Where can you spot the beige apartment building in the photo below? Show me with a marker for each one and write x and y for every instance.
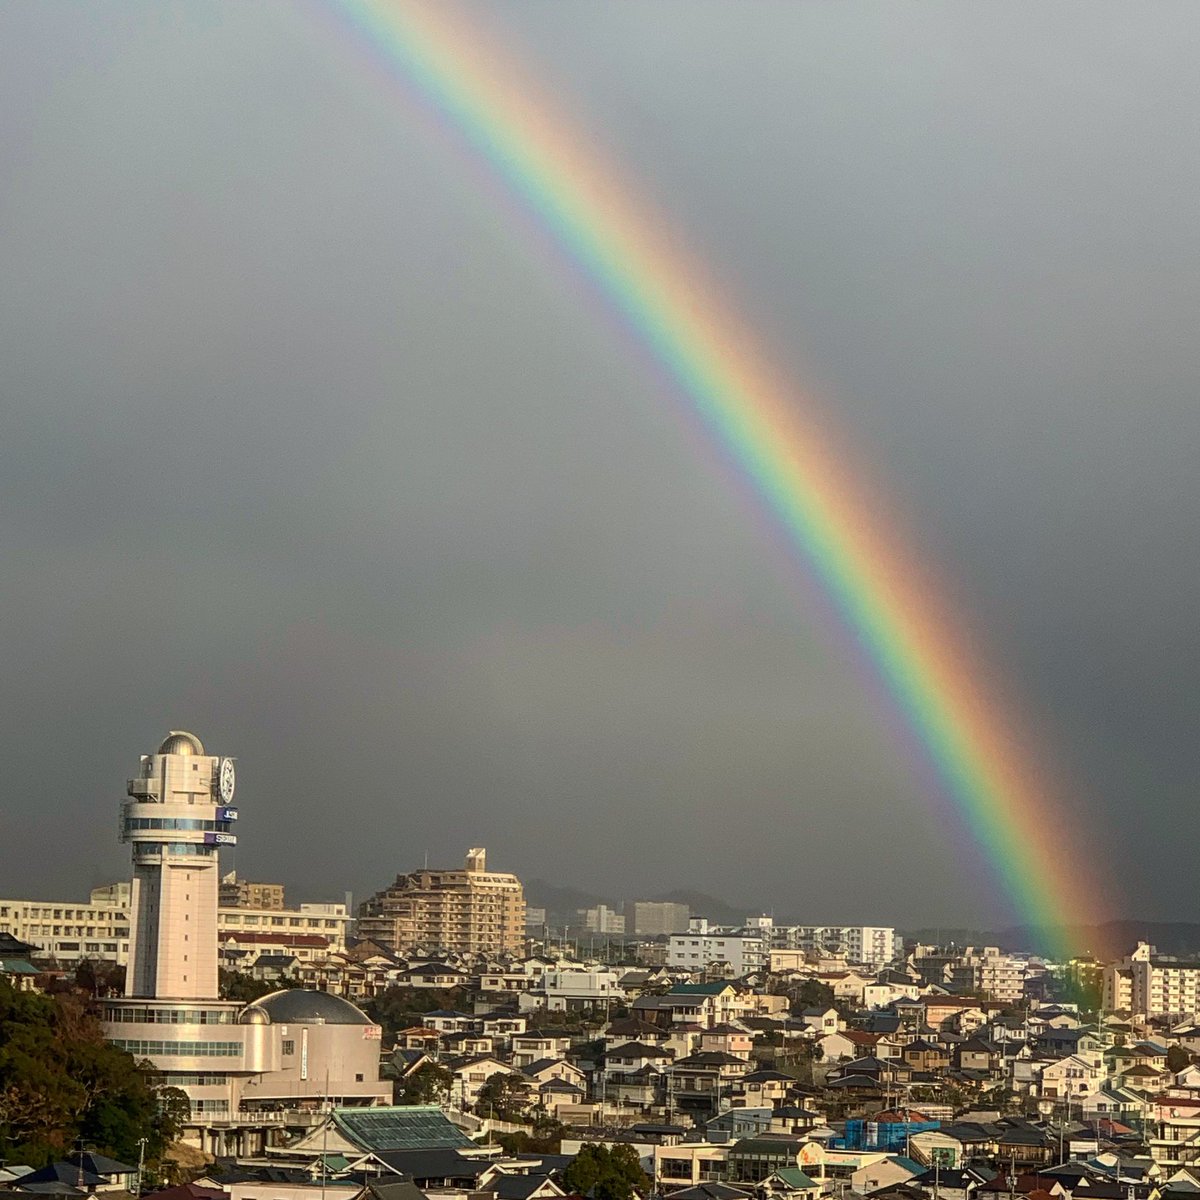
(246, 893)
(1147, 984)
(472, 911)
(69, 931)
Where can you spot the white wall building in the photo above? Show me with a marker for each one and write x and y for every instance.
(566, 989)
(601, 919)
(69, 930)
(873, 945)
(695, 951)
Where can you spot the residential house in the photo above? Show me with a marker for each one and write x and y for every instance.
(470, 1076)
(1070, 1078)
(698, 1082)
(728, 1038)
(533, 1045)
(763, 1089)
(925, 1056)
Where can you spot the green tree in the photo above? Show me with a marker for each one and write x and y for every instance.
(397, 1008)
(61, 1081)
(428, 1084)
(102, 978)
(1177, 1058)
(503, 1096)
(614, 1174)
(812, 993)
(545, 1138)
(234, 985)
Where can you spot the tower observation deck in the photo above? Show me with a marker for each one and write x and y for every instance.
(178, 814)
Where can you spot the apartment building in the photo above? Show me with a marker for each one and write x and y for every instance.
(697, 950)
(70, 931)
(247, 893)
(872, 945)
(1151, 985)
(656, 917)
(329, 922)
(600, 919)
(987, 972)
(468, 911)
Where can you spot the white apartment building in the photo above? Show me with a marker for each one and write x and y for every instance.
(872, 945)
(329, 921)
(696, 950)
(601, 919)
(1148, 985)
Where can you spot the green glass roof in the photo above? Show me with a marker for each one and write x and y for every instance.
(400, 1127)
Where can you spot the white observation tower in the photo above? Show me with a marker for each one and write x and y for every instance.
(178, 815)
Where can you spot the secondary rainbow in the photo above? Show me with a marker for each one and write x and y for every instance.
(901, 622)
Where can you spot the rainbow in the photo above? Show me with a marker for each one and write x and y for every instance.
(901, 623)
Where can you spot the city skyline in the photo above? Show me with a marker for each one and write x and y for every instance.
(311, 451)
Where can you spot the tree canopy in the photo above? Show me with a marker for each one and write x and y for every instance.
(614, 1172)
(428, 1084)
(502, 1095)
(61, 1082)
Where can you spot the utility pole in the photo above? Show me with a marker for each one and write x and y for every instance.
(137, 1191)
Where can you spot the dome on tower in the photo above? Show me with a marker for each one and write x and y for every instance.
(179, 741)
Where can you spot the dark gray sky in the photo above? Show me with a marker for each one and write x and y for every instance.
(306, 446)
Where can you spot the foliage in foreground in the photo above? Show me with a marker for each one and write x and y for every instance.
(614, 1173)
(62, 1083)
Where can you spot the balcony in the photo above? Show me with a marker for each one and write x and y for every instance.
(293, 1117)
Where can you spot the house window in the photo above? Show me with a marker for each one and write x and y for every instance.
(289, 1046)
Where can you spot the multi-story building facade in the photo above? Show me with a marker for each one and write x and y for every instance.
(699, 949)
(1147, 984)
(329, 922)
(601, 919)
(69, 931)
(246, 893)
(872, 945)
(986, 971)
(472, 911)
(656, 917)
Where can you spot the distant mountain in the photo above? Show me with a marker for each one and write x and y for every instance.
(1113, 939)
(718, 912)
(559, 901)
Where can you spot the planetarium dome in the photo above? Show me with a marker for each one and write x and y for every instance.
(302, 1006)
(179, 741)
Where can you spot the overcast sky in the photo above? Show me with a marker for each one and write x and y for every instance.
(308, 447)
